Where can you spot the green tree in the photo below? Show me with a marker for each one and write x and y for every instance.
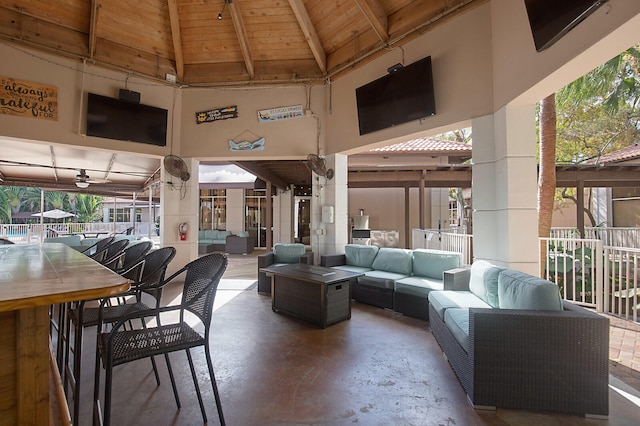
(13, 196)
(88, 207)
(598, 114)
(55, 200)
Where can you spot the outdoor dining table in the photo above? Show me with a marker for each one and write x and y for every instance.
(33, 277)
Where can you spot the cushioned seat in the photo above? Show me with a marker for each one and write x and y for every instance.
(382, 279)
(446, 299)
(418, 286)
(457, 320)
(351, 268)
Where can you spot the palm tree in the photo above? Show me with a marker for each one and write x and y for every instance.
(547, 173)
(88, 207)
(13, 197)
(55, 199)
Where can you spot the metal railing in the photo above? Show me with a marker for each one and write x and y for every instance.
(575, 265)
(592, 274)
(444, 240)
(35, 233)
(610, 236)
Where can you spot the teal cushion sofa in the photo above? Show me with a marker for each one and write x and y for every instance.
(395, 278)
(213, 236)
(514, 343)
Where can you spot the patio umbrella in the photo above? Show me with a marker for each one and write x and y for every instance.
(54, 214)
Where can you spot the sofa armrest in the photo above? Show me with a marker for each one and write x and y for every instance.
(265, 259)
(330, 260)
(550, 357)
(307, 258)
(456, 279)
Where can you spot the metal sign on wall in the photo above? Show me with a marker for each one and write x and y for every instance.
(217, 114)
(28, 99)
(282, 113)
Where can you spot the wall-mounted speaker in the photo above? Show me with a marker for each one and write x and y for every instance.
(129, 96)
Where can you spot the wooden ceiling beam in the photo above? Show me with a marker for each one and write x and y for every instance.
(310, 33)
(241, 32)
(256, 169)
(93, 24)
(377, 17)
(174, 18)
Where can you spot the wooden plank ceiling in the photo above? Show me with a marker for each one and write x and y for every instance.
(256, 41)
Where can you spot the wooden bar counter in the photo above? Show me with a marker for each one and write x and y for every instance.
(32, 277)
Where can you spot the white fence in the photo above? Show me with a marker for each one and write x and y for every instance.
(614, 237)
(444, 240)
(595, 275)
(34, 233)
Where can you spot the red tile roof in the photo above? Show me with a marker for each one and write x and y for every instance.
(631, 152)
(425, 145)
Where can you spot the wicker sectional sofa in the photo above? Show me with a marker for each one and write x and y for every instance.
(395, 278)
(214, 237)
(513, 343)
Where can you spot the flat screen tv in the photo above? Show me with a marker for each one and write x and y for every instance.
(398, 97)
(126, 121)
(550, 20)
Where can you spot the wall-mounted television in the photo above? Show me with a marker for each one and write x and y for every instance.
(403, 95)
(550, 20)
(113, 118)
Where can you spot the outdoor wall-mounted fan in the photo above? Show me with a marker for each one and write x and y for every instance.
(176, 166)
(318, 165)
(83, 180)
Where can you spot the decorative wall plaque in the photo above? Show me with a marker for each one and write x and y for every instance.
(28, 99)
(282, 113)
(217, 114)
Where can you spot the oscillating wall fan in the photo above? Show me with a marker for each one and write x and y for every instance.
(318, 165)
(176, 166)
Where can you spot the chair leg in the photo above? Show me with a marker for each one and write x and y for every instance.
(97, 417)
(197, 386)
(214, 384)
(77, 361)
(173, 380)
(108, 380)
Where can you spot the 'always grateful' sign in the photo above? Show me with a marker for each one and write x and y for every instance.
(28, 99)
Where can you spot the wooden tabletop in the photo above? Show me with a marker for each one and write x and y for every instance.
(43, 274)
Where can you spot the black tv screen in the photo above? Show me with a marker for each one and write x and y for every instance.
(126, 121)
(398, 97)
(550, 20)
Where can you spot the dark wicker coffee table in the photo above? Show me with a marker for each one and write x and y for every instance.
(314, 293)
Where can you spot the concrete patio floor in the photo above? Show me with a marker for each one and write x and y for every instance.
(378, 368)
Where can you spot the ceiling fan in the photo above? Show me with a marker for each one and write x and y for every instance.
(83, 180)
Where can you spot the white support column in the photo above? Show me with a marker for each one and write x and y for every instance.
(179, 203)
(329, 238)
(505, 218)
(283, 205)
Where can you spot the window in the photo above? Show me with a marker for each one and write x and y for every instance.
(256, 215)
(213, 209)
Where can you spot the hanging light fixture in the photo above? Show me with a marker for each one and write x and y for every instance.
(226, 2)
